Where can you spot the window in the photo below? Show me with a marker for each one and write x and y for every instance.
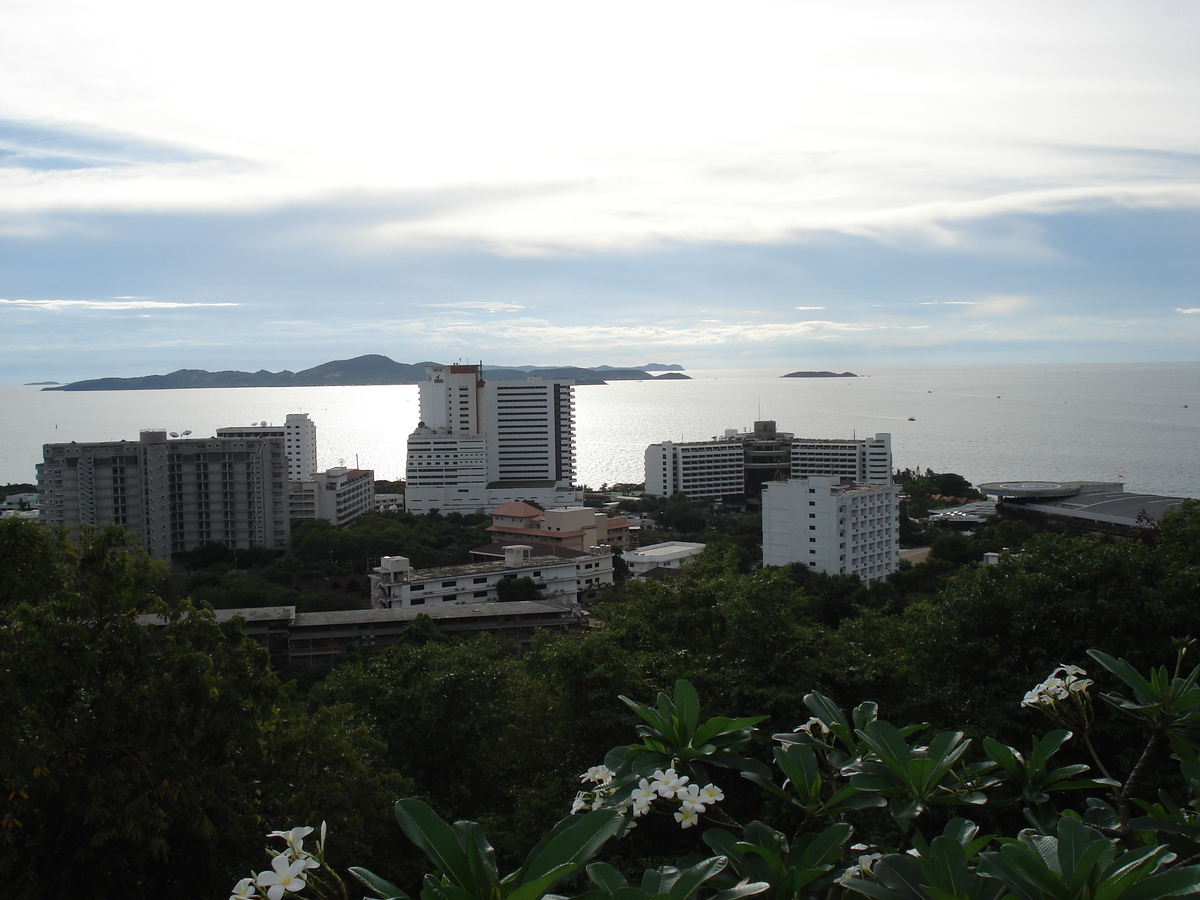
(449, 583)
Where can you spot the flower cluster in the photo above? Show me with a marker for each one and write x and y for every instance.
(1064, 697)
(814, 728)
(664, 784)
(289, 870)
(1062, 683)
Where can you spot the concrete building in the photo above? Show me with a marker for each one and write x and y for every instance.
(574, 527)
(173, 494)
(339, 495)
(1088, 506)
(832, 526)
(862, 460)
(299, 436)
(740, 463)
(481, 444)
(669, 555)
(396, 584)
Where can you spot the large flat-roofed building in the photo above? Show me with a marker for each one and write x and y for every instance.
(575, 527)
(1081, 505)
(739, 463)
(299, 436)
(173, 494)
(339, 495)
(481, 443)
(396, 584)
(667, 556)
(832, 526)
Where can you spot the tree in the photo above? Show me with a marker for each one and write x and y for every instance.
(144, 757)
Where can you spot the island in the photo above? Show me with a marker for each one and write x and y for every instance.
(371, 368)
(672, 376)
(820, 375)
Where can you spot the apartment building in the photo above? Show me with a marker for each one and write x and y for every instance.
(480, 444)
(564, 581)
(299, 436)
(174, 494)
(740, 463)
(832, 526)
(338, 495)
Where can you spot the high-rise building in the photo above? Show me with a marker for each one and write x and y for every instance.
(299, 436)
(339, 495)
(740, 463)
(481, 444)
(173, 494)
(832, 526)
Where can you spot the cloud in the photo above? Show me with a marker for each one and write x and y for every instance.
(999, 305)
(1188, 312)
(118, 304)
(487, 306)
(803, 308)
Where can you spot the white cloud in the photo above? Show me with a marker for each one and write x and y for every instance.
(873, 117)
(803, 308)
(1188, 312)
(486, 305)
(999, 305)
(118, 304)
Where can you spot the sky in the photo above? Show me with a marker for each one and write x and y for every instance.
(249, 185)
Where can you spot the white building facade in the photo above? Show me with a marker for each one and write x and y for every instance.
(738, 462)
(339, 495)
(862, 460)
(395, 584)
(299, 436)
(173, 494)
(832, 526)
(667, 555)
(481, 444)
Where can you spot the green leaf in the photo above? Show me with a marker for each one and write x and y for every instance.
(606, 877)
(575, 839)
(687, 703)
(689, 880)
(381, 886)
(437, 839)
(536, 887)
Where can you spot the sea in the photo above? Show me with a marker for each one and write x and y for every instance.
(1134, 423)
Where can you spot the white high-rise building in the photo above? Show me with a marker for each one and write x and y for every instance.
(738, 462)
(482, 444)
(863, 460)
(339, 495)
(299, 436)
(173, 494)
(832, 526)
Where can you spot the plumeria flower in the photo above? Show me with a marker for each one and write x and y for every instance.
(243, 890)
(710, 794)
(597, 775)
(812, 726)
(580, 802)
(687, 817)
(689, 796)
(285, 876)
(295, 841)
(668, 783)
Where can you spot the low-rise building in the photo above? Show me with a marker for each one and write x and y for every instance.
(832, 526)
(669, 555)
(396, 584)
(575, 527)
(338, 495)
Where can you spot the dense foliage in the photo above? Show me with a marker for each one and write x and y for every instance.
(143, 761)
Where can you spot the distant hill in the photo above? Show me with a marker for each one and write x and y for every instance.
(370, 369)
(820, 375)
(663, 367)
(673, 376)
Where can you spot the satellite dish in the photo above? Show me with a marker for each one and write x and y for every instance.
(186, 433)
(174, 434)
(264, 424)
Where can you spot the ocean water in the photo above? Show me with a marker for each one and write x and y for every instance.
(1137, 423)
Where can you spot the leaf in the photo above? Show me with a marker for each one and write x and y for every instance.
(536, 887)
(606, 877)
(748, 889)
(381, 886)
(687, 703)
(437, 839)
(575, 839)
(689, 880)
